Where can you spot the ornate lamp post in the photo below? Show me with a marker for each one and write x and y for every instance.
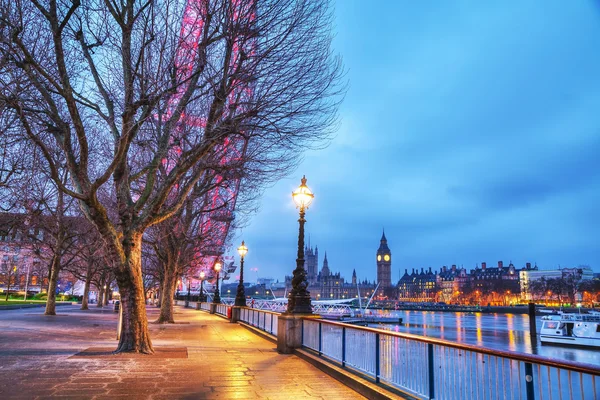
(217, 296)
(240, 297)
(201, 297)
(187, 300)
(299, 297)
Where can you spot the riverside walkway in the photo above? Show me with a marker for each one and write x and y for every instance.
(202, 356)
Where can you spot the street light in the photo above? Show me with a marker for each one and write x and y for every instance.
(240, 297)
(299, 297)
(189, 292)
(217, 297)
(202, 275)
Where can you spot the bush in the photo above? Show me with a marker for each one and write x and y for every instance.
(40, 296)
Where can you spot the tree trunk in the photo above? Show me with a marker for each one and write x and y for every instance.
(8, 286)
(106, 293)
(159, 294)
(52, 282)
(100, 299)
(166, 302)
(86, 294)
(135, 336)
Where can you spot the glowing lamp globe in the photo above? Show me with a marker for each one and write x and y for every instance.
(217, 266)
(242, 250)
(202, 274)
(303, 195)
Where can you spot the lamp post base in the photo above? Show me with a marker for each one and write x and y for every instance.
(299, 304)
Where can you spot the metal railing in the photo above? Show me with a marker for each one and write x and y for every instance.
(221, 309)
(261, 319)
(205, 306)
(432, 368)
(317, 307)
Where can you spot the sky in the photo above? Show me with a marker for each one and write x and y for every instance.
(470, 132)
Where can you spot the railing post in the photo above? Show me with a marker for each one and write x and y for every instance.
(377, 357)
(320, 337)
(529, 381)
(431, 370)
(343, 346)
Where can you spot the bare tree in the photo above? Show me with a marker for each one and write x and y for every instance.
(114, 90)
(178, 245)
(90, 253)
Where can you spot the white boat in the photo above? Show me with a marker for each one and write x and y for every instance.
(571, 329)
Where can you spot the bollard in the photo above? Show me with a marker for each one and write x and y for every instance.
(532, 323)
(120, 323)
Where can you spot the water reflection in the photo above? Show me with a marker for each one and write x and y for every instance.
(512, 343)
(496, 331)
(479, 330)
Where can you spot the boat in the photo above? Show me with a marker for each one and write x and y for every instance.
(571, 329)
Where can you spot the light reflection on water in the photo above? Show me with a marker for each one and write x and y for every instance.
(495, 331)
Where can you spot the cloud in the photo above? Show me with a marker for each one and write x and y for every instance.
(470, 132)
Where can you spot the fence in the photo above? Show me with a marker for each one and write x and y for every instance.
(263, 320)
(221, 309)
(431, 368)
(205, 306)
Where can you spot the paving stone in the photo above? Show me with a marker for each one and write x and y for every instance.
(53, 358)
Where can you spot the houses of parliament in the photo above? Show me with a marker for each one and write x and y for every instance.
(324, 284)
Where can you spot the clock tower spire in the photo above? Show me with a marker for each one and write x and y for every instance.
(384, 264)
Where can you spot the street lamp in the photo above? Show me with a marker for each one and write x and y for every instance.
(189, 292)
(217, 297)
(240, 297)
(202, 275)
(299, 297)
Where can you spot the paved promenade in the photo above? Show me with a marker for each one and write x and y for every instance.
(203, 357)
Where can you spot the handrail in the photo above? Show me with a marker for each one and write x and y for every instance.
(264, 311)
(573, 366)
(266, 321)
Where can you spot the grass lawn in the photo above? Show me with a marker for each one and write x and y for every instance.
(11, 302)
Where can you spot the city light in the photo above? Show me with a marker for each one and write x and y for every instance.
(303, 196)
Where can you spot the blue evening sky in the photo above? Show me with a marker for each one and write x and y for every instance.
(470, 131)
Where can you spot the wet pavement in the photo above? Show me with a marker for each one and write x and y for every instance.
(202, 356)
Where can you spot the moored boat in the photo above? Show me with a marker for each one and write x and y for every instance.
(571, 329)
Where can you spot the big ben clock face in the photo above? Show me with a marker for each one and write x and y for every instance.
(386, 257)
(379, 258)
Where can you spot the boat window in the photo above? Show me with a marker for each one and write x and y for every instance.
(551, 325)
(598, 328)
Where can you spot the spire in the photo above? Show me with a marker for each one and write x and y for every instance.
(325, 270)
(354, 273)
(383, 247)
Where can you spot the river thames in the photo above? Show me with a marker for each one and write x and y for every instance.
(493, 331)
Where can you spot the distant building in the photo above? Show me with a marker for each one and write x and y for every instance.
(528, 276)
(384, 267)
(325, 284)
(417, 287)
(311, 264)
(499, 285)
(24, 256)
